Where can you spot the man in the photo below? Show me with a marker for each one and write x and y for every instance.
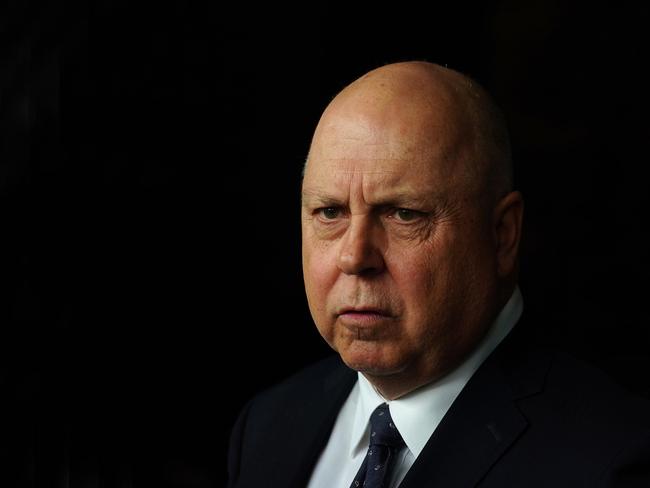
(411, 231)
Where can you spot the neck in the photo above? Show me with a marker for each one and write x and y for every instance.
(391, 390)
(395, 386)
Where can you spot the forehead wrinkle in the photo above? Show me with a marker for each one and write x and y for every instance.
(365, 172)
(369, 179)
(340, 140)
(373, 193)
(366, 159)
(344, 147)
(383, 185)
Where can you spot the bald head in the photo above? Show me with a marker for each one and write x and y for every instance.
(436, 112)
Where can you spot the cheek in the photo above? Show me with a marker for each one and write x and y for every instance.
(445, 284)
(320, 272)
(415, 272)
(425, 282)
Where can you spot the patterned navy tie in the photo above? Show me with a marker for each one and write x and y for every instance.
(385, 442)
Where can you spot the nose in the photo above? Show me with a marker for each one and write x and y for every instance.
(359, 253)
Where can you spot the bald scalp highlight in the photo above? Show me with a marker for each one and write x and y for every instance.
(486, 145)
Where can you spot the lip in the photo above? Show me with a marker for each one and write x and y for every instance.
(376, 310)
(363, 316)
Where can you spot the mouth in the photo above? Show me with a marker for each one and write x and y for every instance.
(364, 310)
(362, 317)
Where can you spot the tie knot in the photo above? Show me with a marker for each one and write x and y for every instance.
(382, 429)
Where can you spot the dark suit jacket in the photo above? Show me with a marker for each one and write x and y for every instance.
(525, 419)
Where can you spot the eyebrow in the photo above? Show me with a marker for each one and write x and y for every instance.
(400, 199)
(316, 198)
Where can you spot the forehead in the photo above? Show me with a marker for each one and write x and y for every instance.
(395, 156)
(385, 131)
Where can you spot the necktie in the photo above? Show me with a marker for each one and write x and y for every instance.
(385, 441)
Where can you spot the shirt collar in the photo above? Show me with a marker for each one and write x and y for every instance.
(418, 414)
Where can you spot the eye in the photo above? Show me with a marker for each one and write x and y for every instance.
(329, 213)
(406, 215)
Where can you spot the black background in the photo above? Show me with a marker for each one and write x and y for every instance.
(149, 182)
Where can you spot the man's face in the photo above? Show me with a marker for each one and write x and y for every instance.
(398, 254)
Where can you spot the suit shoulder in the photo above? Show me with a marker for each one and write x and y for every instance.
(307, 382)
(581, 377)
(588, 397)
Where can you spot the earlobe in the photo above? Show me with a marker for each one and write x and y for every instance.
(508, 217)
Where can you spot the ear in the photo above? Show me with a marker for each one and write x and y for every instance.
(507, 219)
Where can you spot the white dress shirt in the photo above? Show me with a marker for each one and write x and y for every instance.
(415, 415)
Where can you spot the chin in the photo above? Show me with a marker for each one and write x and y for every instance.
(374, 363)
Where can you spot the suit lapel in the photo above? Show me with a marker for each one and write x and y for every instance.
(482, 423)
(311, 427)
